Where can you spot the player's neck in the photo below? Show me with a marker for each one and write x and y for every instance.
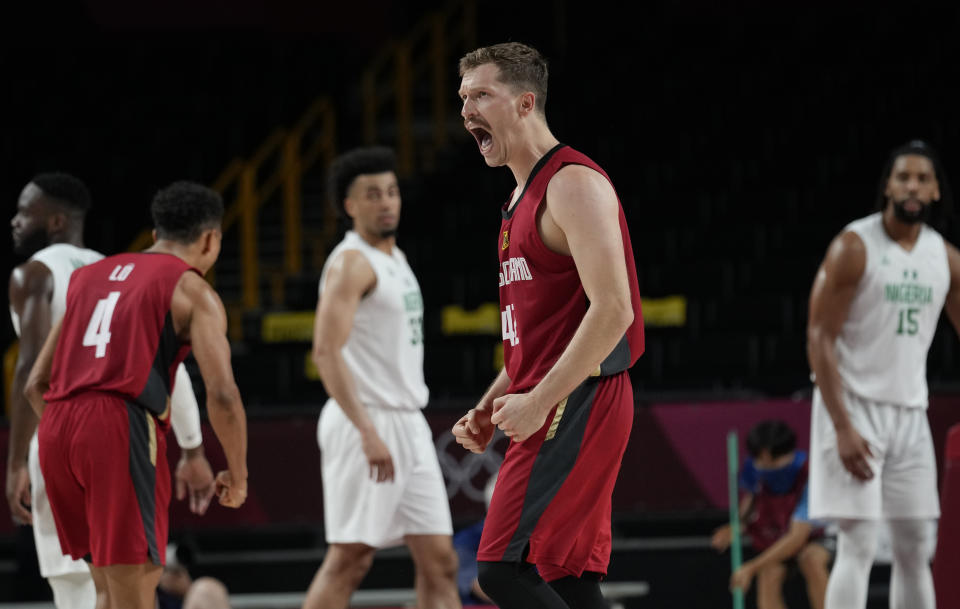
(186, 253)
(530, 148)
(904, 234)
(384, 244)
(71, 237)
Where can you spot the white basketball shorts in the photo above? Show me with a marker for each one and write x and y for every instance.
(357, 509)
(904, 483)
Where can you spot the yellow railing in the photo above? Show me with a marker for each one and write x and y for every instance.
(291, 153)
(422, 53)
(317, 129)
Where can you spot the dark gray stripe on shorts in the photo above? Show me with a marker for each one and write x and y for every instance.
(144, 476)
(552, 465)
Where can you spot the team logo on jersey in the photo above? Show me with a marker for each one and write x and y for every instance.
(506, 240)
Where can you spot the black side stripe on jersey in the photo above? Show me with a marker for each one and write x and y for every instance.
(143, 473)
(553, 464)
(618, 360)
(157, 390)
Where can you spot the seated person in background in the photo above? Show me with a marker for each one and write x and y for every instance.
(178, 590)
(774, 512)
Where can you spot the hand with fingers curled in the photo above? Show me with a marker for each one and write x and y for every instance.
(378, 457)
(474, 430)
(722, 538)
(518, 415)
(18, 493)
(742, 577)
(195, 478)
(855, 453)
(231, 490)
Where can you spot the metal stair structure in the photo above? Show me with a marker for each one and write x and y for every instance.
(279, 224)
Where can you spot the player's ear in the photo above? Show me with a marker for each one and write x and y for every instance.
(153, 234)
(56, 222)
(528, 102)
(209, 240)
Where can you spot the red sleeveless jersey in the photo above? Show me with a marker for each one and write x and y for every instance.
(117, 334)
(542, 301)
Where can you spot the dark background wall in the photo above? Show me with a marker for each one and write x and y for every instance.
(741, 137)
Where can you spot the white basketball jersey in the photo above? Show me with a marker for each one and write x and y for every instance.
(385, 349)
(62, 259)
(882, 348)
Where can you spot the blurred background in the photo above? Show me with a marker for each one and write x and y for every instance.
(740, 137)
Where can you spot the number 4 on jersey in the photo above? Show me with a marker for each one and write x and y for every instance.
(508, 324)
(98, 330)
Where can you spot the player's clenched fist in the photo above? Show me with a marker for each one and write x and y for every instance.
(474, 430)
(232, 493)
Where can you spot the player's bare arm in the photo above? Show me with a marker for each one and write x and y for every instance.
(784, 548)
(31, 289)
(200, 319)
(193, 475)
(349, 278)
(723, 535)
(834, 289)
(39, 380)
(580, 218)
(952, 303)
(194, 479)
(474, 430)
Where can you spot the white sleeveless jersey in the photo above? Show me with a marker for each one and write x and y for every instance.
(62, 259)
(384, 351)
(882, 348)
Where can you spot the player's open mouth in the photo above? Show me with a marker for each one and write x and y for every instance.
(484, 139)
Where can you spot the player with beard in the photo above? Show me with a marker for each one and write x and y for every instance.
(874, 308)
(382, 484)
(48, 228)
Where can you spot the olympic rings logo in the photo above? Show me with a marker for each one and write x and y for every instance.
(465, 471)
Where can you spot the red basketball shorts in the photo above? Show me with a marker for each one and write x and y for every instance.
(104, 462)
(552, 501)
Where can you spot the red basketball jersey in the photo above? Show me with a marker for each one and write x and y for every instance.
(542, 301)
(117, 334)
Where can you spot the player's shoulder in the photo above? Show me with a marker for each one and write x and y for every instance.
(193, 294)
(851, 240)
(579, 175)
(573, 184)
(846, 258)
(29, 277)
(847, 254)
(847, 243)
(193, 284)
(350, 262)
